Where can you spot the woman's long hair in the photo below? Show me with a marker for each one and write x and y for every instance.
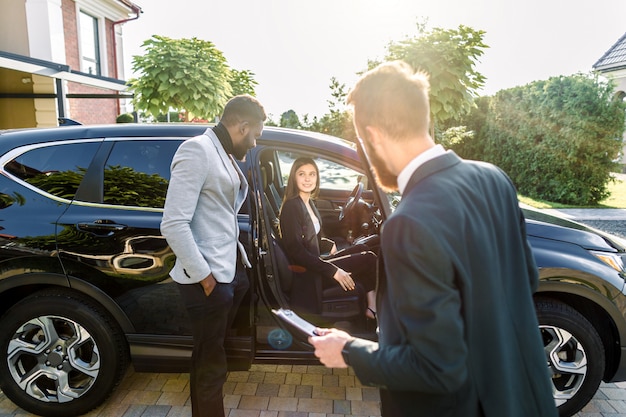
(291, 190)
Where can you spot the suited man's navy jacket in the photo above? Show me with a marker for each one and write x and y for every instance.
(458, 329)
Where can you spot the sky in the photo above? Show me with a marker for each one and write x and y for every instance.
(295, 47)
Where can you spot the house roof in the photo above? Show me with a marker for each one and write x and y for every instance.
(614, 58)
(132, 6)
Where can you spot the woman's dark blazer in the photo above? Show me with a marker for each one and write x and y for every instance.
(302, 247)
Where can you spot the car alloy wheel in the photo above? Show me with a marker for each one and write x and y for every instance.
(53, 359)
(64, 354)
(574, 353)
(568, 362)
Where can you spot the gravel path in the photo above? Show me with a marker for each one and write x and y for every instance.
(608, 220)
(615, 227)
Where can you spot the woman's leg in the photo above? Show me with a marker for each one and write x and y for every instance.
(362, 267)
(370, 312)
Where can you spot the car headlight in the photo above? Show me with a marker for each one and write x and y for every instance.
(614, 260)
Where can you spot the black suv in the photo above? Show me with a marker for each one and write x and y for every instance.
(84, 285)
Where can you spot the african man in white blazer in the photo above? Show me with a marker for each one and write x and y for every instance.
(205, 193)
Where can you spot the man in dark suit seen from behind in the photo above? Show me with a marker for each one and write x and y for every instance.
(458, 332)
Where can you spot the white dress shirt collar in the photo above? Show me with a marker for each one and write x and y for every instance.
(409, 169)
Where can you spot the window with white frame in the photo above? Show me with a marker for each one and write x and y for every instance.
(89, 44)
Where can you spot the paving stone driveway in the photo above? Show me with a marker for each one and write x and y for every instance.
(277, 391)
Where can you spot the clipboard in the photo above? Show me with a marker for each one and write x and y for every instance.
(291, 318)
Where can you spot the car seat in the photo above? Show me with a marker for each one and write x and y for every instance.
(269, 186)
(337, 304)
(271, 209)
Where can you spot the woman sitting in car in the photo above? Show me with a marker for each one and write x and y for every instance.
(302, 241)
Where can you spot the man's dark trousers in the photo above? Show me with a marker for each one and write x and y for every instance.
(210, 318)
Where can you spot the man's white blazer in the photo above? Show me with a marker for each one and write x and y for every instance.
(205, 192)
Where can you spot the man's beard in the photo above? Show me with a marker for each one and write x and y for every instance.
(241, 149)
(384, 178)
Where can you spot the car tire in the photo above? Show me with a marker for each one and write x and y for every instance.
(575, 354)
(64, 354)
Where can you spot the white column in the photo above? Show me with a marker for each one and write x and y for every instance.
(44, 19)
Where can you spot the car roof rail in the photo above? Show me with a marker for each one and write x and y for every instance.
(64, 121)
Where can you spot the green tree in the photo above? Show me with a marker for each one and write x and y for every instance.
(188, 75)
(242, 82)
(338, 121)
(471, 146)
(557, 138)
(449, 57)
(455, 136)
(290, 119)
(270, 121)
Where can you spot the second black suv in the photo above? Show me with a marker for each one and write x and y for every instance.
(84, 285)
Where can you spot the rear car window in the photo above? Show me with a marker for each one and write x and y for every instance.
(56, 169)
(137, 172)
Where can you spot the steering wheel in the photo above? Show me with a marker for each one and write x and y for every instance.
(353, 199)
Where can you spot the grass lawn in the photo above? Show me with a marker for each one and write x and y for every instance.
(616, 200)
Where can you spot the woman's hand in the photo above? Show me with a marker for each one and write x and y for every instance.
(344, 279)
(333, 250)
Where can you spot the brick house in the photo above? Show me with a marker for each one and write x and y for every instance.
(62, 59)
(613, 65)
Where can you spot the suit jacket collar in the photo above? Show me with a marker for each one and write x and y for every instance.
(431, 167)
(306, 212)
(307, 225)
(405, 175)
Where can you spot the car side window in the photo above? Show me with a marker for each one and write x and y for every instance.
(57, 169)
(137, 172)
(333, 175)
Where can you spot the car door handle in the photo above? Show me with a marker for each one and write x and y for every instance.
(101, 227)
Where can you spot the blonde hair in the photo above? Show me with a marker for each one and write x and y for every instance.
(392, 97)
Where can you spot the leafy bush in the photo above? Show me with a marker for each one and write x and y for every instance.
(125, 118)
(556, 138)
